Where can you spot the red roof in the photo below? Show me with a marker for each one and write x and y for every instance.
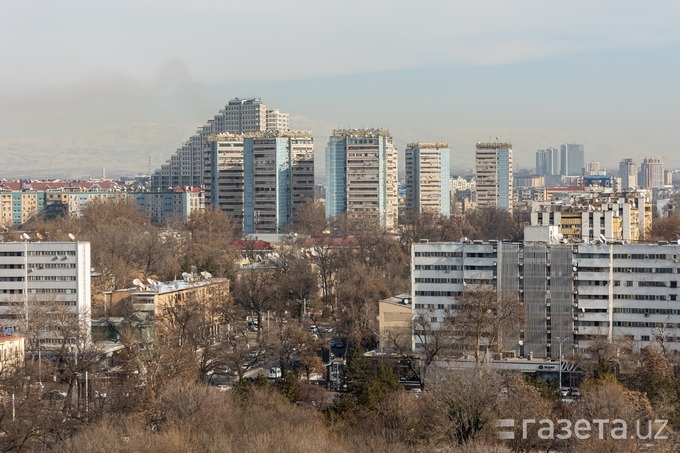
(256, 246)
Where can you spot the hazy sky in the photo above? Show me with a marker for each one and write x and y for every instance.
(89, 84)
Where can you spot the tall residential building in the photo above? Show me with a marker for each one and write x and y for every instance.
(190, 165)
(651, 174)
(428, 178)
(361, 176)
(493, 173)
(45, 292)
(628, 172)
(278, 177)
(572, 159)
(548, 162)
(226, 175)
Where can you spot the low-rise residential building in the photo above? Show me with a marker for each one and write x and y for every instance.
(156, 301)
(11, 353)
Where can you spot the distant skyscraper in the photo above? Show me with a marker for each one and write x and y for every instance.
(572, 159)
(592, 168)
(428, 178)
(361, 176)
(628, 172)
(278, 177)
(493, 169)
(651, 174)
(190, 165)
(548, 162)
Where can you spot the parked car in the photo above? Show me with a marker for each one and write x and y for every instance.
(575, 392)
(55, 395)
(274, 373)
(564, 392)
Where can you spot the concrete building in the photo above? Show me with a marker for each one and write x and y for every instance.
(617, 216)
(494, 175)
(45, 292)
(11, 354)
(361, 176)
(278, 178)
(155, 301)
(394, 321)
(175, 204)
(651, 174)
(593, 168)
(572, 159)
(428, 178)
(580, 292)
(225, 190)
(548, 162)
(628, 172)
(190, 165)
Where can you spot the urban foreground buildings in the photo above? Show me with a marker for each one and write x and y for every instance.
(493, 171)
(45, 292)
(428, 178)
(579, 292)
(361, 176)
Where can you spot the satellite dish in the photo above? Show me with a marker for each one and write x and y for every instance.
(206, 275)
(151, 282)
(71, 237)
(25, 236)
(137, 282)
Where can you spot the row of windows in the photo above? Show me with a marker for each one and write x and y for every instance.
(52, 253)
(52, 278)
(438, 280)
(440, 254)
(640, 256)
(658, 325)
(646, 311)
(430, 306)
(645, 270)
(51, 291)
(437, 267)
(639, 297)
(439, 293)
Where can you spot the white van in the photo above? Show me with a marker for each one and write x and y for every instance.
(274, 373)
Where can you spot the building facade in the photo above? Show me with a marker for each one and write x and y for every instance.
(623, 216)
(45, 292)
(428, 178)
(361, 176)
(278, 178)
(225, 190)
(548, 162)
(578, 292)
(11, 354)
(494, 175)
(572, 159)
(190, 165)
(628, 172)
(651, 175)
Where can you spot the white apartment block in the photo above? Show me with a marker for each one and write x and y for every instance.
(45, 291)
(428, 178)
(276, 120)
(651, 174)
(493, 174)
(616, 292)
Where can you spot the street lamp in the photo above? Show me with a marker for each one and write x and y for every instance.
(560, 370)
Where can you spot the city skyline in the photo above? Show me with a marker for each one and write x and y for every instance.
(532, 74)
